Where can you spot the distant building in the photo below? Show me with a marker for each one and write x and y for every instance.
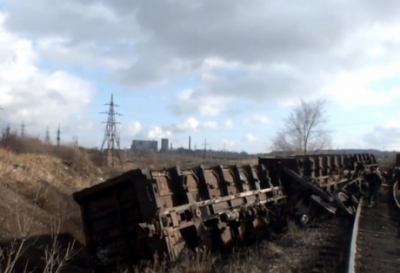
(144, 146)
(164, 144)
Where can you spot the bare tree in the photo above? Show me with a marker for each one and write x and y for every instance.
(304, 129)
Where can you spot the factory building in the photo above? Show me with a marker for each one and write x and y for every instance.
(139, 146)
(164, 144)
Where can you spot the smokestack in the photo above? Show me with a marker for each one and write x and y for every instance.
(190, 142)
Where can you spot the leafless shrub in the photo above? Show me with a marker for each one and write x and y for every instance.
(13, 254)
(9, 256)
(56, 256)
(18, 144)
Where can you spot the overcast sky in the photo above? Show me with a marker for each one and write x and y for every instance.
(225, 70)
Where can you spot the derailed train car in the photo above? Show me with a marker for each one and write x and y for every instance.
(394, 179)
(331, 182)
(146, 213)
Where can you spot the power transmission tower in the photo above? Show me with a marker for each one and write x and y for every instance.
(6, 134)
(23, 129)
(58, 136)
(8, 130)
(47, 139)
(111, 135)
(75, 143)
(205, 147)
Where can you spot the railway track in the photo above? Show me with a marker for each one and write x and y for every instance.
(367, 242)
(375, 240)
(332, 254)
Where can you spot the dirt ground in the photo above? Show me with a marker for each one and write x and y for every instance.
(379, 236)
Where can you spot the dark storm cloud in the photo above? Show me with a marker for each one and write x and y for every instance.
(164, 40)
(304, 35)
(78, 20)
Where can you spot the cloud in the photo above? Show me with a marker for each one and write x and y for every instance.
(210, 125)
(96, 33)
(228, 124)
(261, 119)
(35, 96)
(385, 136)
(236, 50)
(156, 133)
(219, 58)
(251, 138)
(357, 87)
(133, 128)
(228, 144)
(191, 124)
(190, 101)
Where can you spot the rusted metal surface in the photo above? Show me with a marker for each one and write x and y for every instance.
(143, 213)
(397, 164)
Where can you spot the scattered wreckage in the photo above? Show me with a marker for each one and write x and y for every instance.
(142, 213)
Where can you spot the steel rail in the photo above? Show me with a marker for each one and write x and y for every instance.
(394, 190)
(351, 265)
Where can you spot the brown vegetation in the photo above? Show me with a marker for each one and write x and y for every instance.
(39, 220)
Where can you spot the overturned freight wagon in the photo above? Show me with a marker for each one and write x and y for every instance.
(146, 212)
(331, 182)
(143, 213)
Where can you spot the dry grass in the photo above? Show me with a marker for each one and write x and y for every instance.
(157, 161)
(28, 253)
(42, 178)
(31, 168)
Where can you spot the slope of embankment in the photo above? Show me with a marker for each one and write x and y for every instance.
(39, 221)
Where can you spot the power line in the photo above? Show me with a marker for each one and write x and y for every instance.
(111, 135)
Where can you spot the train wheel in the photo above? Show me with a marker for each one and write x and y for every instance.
(396, 193)
(344, 202)
(302, 212)
(323, 204)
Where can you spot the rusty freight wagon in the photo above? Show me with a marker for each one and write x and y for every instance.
(330, 182)
(146, 213)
